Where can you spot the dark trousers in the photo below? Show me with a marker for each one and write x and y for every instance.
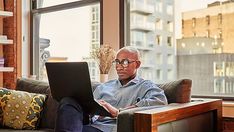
(70, 118)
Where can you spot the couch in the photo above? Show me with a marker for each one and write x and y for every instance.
(178, 93)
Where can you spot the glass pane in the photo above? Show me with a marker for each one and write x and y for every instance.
(194, 42)
(208, 54)
(151, 32)
(70, 35)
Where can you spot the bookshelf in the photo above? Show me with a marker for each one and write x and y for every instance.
(4, 40)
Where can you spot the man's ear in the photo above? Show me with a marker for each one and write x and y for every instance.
(138, 64)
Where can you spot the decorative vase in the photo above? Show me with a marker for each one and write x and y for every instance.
(103, 78)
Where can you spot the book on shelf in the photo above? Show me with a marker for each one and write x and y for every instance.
(5, 40)
(1, 62)
(6, 69)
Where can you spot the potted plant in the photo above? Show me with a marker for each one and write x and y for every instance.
(104, 57)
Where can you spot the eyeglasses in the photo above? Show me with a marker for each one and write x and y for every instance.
(124, 62)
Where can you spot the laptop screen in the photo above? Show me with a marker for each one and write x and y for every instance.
(69, 79)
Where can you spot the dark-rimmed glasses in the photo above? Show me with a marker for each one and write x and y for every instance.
(124, 62)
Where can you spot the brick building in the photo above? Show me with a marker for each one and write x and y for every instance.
(206, 49)
(214, 21)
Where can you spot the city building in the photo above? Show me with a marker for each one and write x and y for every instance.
(206, 53)
(95, 42)
(199, 45)
(213, 21)
(213, 74)
(152, 32)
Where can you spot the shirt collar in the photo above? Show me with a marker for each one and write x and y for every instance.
(133, 81)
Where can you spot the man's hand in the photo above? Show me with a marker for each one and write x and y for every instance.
(113, 111)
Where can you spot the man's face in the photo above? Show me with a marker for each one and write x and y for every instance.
(127, 65)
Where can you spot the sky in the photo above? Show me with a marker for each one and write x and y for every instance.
(187, 5)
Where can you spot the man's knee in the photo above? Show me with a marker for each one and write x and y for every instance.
(69, 102)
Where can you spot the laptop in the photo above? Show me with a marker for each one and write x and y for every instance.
(71, 79)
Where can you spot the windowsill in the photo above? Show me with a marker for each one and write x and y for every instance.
(226, 98)
(228, 109)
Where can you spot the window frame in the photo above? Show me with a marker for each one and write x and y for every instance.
(34, 27)
(125, 24)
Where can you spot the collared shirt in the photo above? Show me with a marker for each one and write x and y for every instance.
(137, 92)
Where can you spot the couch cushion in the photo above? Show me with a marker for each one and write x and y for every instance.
(178, 91)
(19, 109)
(32, 86)
(50, 108)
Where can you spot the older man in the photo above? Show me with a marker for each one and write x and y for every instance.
(128, 91)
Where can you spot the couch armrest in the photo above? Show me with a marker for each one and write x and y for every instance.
(125, 122)
(149, 120)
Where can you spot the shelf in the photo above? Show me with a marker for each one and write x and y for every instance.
(6, 69)
(6, 13)
(7, 41)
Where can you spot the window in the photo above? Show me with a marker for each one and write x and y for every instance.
(206, 53)
(193, 22)
(169, 41)
(138, 19)
(220, 18)
(170, 74)
(158, 58)
(229, 69)
(158, 39)
(169, 9)
(183, 45)
(207, 33)
(182, 23)
(194, 34)
(207, 20)
(170, 26)
(137, 38)
(219, 85)
(64, 27)
(159, 74)
(170, 59)
(150, 40)
(220, 34)
(158, 6)
(159, 24)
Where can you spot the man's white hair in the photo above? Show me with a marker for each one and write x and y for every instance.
(131, 49)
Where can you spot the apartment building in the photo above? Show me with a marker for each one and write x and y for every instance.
(206, 49)
(152, 32)
(199, 45)
(213, 21)
(95, 42)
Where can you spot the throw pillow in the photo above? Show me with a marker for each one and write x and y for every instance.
(19, 109)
